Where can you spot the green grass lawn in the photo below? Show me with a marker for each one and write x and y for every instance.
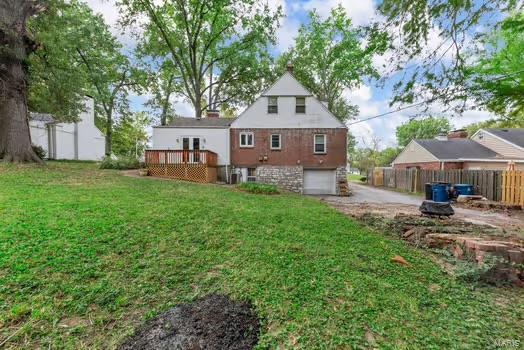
(355, 177)
(86, 255)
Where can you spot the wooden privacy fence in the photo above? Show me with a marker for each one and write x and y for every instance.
(485, 182)
(513, 187)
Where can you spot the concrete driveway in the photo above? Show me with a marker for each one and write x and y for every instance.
(369, 199)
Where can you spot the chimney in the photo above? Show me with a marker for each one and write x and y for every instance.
(289, 67)
(458, 134)
(213, 113)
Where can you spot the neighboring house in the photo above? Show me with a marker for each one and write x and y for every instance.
(286, 137)
(487, 149)
(75, 141)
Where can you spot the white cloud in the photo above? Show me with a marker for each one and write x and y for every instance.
(107, 8)
(361, 12)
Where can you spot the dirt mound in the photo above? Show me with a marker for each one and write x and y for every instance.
(213, 322)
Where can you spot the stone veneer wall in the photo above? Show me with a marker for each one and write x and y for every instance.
(290, 178)
(341, 175)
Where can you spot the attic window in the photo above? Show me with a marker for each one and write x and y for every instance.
(300, 105)
(272, 105)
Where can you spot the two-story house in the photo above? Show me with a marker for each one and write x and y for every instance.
(287, 137)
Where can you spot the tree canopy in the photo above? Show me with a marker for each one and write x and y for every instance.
(219, 48)
(426, 128)
(331, 56)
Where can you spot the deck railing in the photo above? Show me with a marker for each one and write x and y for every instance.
(173, 157)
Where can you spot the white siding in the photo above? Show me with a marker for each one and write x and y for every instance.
(507, 150)
(286, 88)
(39, 135)
(286, 85)
(91, 141)
(211, 139)
(414, 153)
(490, 166)
(82, 140)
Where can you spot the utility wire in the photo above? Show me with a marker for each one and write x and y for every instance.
(420, 103)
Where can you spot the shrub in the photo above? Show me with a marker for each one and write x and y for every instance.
(40, 152)
(258, 188)
(120, 163)
(363, 179)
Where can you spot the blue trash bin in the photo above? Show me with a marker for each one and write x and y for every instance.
(440, 193)
(464, 189)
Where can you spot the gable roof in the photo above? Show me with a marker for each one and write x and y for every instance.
(513, 135)
(183, 122)
(287, 85)
(458, 149)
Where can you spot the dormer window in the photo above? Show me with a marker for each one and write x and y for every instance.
(300, 107)
(272, 105)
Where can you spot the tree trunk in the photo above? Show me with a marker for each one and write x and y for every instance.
(15, 139)
(109, 134)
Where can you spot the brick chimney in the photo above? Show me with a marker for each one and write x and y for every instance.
(213, 113)
(458, 134)
(289, 67)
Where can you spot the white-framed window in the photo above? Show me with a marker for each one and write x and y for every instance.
(320, 146)
(251, 174)
(300, 107)
(247, 139)
(276, 141)
(272, 104)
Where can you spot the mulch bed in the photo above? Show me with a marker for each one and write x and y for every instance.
(213, 322)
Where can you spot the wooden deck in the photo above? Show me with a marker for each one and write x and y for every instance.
(197, 166)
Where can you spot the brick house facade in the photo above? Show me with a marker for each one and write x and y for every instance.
(289, 138)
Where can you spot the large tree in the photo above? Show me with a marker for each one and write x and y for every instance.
(431, 38)
(331, 56)
(16, 44)
(219, 47)
(426, 128)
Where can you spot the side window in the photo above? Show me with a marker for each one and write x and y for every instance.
(300, 105)
(320, 144)
(247, 139)
(276, 141)
(251, 174)
(272, 104)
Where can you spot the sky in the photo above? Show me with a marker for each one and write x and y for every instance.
(371, 98)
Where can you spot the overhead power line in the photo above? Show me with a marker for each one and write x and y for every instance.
(420, 103)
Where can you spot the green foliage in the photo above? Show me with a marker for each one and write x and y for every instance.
(120, 163)
(130, 138)
(217, 50)
(330, 56)
(258, 188)
(426, 128)
(455, 28)
(40, 152)
(498, 76)
(105, 252)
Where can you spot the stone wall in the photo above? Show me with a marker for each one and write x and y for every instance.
(286, 177)
(341, 175)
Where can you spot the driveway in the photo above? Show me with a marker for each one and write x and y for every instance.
(368, 199)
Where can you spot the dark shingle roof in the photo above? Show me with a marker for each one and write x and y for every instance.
(515, 136)
(201, 123)
(41, 117)
(457, 149)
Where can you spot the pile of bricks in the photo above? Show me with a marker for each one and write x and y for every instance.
(477, 247)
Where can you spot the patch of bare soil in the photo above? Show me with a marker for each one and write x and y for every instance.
(213, 322)
(482, 244)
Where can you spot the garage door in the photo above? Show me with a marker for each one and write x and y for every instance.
(319, 182)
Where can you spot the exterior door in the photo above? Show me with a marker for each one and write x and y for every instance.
(196, 150)
(185, 148)
(319, 182)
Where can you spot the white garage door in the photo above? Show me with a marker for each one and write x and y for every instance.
(319, 182)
